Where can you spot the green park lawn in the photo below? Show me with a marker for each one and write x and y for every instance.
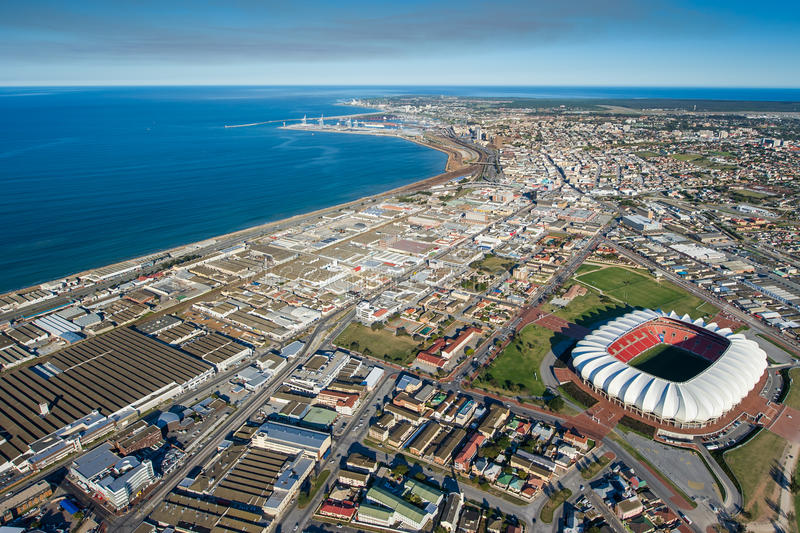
(516, 369)
(586, 267)
(590, 308)
(793, 398)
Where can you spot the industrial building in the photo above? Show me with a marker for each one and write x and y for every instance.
(641, 223)
(288, 439)
(318, 372)
(24, 500)
(117, 479)
(218, 350)
(122, 371)
(264, 481)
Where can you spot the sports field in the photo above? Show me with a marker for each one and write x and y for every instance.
(670, 362)
(638, 289)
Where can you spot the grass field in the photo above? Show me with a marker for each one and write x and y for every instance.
(554, 503)
(586, 267)
(793, 398)
(591, 308)
(752, 463)
(703, 161)
(494, 264)
(379, 343)
(641, 290)
(516, 369)
(687, 157)
(670, 362)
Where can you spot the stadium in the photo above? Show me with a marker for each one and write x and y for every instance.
(669, 368)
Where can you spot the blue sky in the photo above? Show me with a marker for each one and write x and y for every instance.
(497, 42)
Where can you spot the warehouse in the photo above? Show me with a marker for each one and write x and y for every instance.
(264, 480)
(218, 350)
(194, 514)
(288, 439)
(107, 373)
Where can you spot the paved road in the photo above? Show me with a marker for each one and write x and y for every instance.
(681, 465)
(341, 447)
(733, 502)
(699, 515)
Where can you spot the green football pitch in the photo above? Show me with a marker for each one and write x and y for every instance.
(639, 289)
(670, 362)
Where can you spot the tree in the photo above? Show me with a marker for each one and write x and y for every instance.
(400, 470)
(375, 326)
(556, 403)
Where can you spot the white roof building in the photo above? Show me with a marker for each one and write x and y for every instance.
(698, 401)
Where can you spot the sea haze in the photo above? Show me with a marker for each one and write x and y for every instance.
(95, 176)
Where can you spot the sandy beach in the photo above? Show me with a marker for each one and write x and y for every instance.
(453, 169)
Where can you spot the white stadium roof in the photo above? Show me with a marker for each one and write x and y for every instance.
(699, 400)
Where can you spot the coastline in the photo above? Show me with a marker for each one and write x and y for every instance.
(449, 173)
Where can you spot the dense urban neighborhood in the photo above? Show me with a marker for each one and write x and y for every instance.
(589, 322)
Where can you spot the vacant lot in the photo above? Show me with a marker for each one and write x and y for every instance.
(516, 369)
(554, 503)
(493, 264)
(642, 290)
(379, 343)
(670, 362)
(752, 464)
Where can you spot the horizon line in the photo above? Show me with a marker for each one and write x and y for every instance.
(587, 86)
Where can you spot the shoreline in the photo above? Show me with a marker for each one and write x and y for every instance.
(452, 156)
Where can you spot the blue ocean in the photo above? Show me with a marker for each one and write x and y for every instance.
(95, 176)
(92, 176)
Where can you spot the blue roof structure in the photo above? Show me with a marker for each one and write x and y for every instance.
(68, 506)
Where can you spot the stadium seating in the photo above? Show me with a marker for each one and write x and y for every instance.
(693, 339)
